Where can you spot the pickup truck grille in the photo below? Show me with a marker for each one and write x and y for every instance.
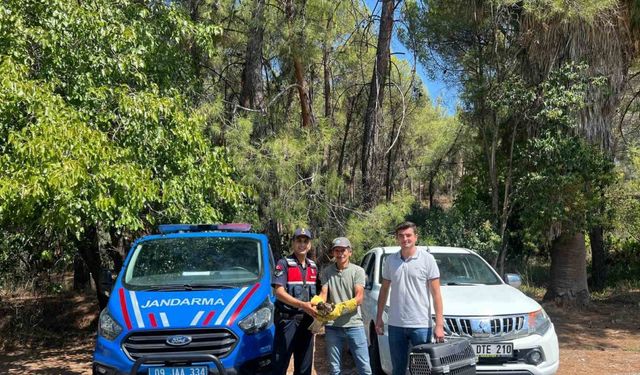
(486, 327)
(217, 341)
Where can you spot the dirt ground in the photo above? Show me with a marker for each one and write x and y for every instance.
(603, 338)
(55, 336)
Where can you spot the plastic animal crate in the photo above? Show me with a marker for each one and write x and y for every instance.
(455, 356)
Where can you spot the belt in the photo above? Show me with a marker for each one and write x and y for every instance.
(290, 315)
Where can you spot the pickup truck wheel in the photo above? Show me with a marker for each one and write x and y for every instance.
(374, 355)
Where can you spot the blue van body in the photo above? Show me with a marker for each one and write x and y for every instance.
(233, 321)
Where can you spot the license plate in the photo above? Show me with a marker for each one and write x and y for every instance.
(189, 370)
(503, 349)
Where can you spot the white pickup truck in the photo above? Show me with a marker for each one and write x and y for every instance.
(510, 333)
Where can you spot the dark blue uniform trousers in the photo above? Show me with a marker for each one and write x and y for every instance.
(293, 337)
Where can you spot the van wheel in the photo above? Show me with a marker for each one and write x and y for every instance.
(374, 355)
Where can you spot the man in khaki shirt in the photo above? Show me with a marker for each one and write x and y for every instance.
(343, 285)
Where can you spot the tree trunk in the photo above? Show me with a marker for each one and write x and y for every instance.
(275, 239)
(376, 97)
(303, 93)
(598, 258)
(251, 94)
(328, 89)
(431, 191)
(352, 179)
(506, 205)
(195, 50)
(326, 68)
(388, 192)
(568, 284)
(347, 126)
(297, 43)
(81, 275)
(118, 251)
(89, 250)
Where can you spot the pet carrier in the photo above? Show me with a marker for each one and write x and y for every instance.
(454, 356)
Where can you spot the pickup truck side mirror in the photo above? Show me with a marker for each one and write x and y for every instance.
(513, 279)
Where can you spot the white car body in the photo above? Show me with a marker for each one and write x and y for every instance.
(507, 315)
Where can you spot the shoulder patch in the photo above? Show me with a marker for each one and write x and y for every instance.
(278, 271)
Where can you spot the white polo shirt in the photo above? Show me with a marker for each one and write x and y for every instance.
(409, 304)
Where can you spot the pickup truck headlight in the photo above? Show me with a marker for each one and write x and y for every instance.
(258, 320)
(539, 322)
(107, 326)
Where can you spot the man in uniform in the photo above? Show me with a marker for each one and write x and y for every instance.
(294, 281)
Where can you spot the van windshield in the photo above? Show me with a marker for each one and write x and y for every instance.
(194, 262)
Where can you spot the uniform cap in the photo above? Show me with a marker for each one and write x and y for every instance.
(302, 232)
(340, 242)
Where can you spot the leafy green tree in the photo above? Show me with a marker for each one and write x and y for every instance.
(95, 136)
(375, 228)
(511, 59)
(312, 176)
(191, 111)
(475, 44)
(596, 33)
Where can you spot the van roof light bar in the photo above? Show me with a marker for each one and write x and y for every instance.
(234, 227)
(230, 227)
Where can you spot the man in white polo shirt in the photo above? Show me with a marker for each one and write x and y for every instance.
(414, 275)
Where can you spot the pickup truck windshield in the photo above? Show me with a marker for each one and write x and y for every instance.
(194, 262)
(461, 269)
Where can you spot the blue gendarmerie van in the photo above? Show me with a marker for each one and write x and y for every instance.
(192, 300)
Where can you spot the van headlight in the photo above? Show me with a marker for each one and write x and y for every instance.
(539, 322)
(107, 326)
(258, 320)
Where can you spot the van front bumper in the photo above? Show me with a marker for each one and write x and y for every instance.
(252, 355)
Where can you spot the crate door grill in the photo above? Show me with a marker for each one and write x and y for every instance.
(456, 357)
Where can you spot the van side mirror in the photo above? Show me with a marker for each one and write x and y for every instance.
(513, 279)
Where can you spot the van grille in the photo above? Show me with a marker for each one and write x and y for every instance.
(217, 341)
(485, 327)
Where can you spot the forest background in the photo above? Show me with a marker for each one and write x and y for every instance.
(117, 116)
